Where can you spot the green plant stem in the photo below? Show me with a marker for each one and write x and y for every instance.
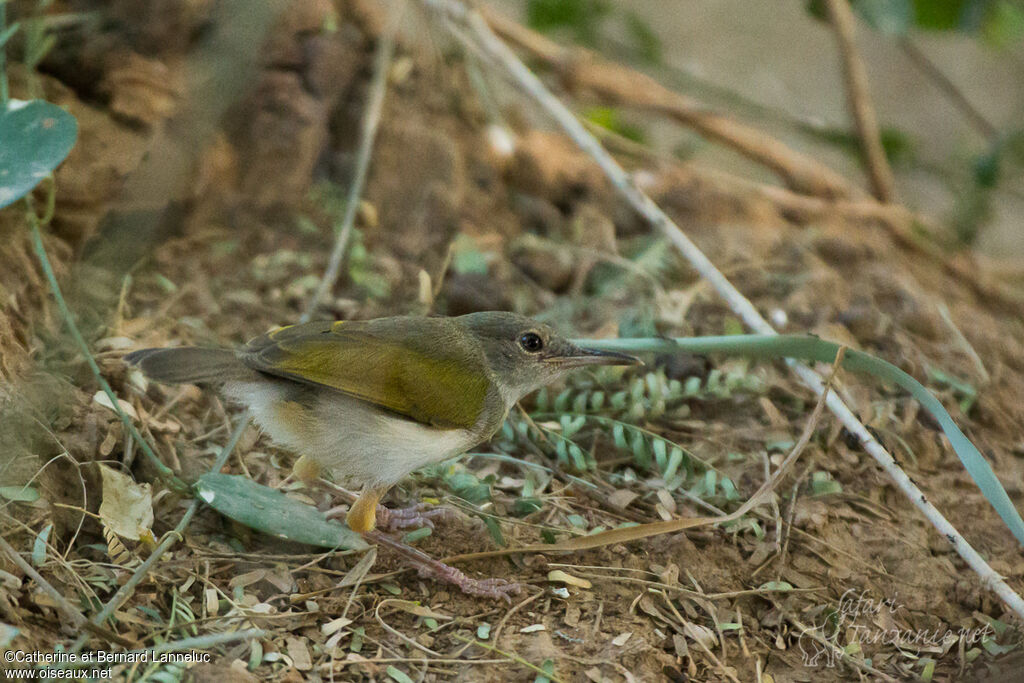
(37, 241)
(169, 539)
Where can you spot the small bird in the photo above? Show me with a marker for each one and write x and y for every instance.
(370, 401)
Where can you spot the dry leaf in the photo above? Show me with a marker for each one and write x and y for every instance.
(127, 408)
(127, 507)
(559, 576)
(621, 498)
(299, 653)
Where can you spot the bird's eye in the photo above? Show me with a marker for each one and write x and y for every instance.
(531, 342)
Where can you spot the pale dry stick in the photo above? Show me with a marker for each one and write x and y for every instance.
(858, 96)
(684, 592)
(789, 521)
(709, 608)
(775, 505)
(457, 12)
(584, 69)
(371, 120)
(508, 615)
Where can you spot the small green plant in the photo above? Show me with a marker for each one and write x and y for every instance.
(37, 136)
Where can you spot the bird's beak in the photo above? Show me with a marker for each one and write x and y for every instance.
(576, 357)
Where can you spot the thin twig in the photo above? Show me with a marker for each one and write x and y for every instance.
(645, 206)
(371, 119)
(72, 612)
(858, 96)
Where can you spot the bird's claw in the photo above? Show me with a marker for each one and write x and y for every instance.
(419, 515)
(496, 589)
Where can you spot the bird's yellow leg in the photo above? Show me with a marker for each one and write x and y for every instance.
(306, 469)
(362, 516)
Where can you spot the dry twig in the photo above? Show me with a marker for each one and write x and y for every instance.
(859, 98)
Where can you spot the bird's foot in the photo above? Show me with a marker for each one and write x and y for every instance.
(496, 589)
(414, 516)
(428, 567)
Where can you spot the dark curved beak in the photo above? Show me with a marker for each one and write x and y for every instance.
(577, 357)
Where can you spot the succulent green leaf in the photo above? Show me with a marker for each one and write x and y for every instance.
(270, 511)
(35, 137)
(815, 349)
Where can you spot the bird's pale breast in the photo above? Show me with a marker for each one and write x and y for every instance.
(360, 444)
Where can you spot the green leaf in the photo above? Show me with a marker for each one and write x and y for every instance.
(582, 17)
(466, 258)
(396, 674)
(892, 17)
(417, 535)
(39, 546)
(19, 494)
(939, 15)
(1003, 26)
(548, 667)
(526, 506)
(6, 34)
(609, 119)
(357, 639)
(775, 586)
(822, 484)
(494, 529)
(270, 511)
(36, 136)
(645, 41)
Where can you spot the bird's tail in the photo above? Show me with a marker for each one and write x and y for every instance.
(189, 364)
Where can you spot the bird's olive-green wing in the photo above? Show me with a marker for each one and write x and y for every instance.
(437, 384)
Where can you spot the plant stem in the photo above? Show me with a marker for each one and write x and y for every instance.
(37, 242)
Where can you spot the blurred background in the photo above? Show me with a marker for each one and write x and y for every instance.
(945, 77)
